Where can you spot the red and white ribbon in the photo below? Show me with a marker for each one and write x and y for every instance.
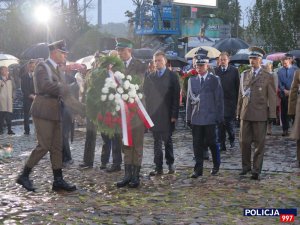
(126, 127)
(144, 116)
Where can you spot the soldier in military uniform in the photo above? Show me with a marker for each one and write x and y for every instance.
(256, 105)
(132, 155)
(52, 94)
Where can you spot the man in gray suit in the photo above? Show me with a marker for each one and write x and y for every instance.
(205, 109)
(256, 105)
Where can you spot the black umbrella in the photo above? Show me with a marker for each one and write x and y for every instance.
(36, 51)
(295, 53)
(143, 53)
(240, 59)
(230, 45)
(176, 61)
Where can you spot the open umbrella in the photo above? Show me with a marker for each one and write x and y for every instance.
(295, 53)
(36, 51)
(88, 61)
(176, 61)
(211, 52)
(143, 53)
(240, 58)
(7, 60)
(231, 45)
(277, 56)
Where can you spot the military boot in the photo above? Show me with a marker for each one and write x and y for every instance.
(127, 177)
(59, 183)
(135, 181)
(23, 179)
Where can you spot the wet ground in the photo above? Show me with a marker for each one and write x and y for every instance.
(168, 199)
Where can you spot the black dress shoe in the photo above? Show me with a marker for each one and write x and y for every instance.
(26, 132)
(10, 132)
(60, 184)
(102, 166)
(156, 172)
(214, 171)
(113, 168)
(232, 144)
(171, 169)
(223, 148)
(26, 183)
(254, 176)
(244, 172)
(284, 133)
(83, 165)
(196, 174)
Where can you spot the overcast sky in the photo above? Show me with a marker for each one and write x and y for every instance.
(113, 10)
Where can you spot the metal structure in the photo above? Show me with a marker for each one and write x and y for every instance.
(161, 20)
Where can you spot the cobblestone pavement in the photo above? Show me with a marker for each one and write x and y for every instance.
(169, 199)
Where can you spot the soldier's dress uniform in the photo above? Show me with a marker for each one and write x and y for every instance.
(133, 154)
(51, 95)
(294, 109)
(256, 104)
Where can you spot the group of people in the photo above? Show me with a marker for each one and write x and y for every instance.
(215, 99)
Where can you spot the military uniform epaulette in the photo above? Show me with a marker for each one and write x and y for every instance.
(247, 71)
(210, 73)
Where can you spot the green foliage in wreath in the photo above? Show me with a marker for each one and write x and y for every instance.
(95, 84)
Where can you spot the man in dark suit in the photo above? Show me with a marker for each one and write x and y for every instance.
(28, 93)
(204, 110)
(132, 154)
(51, 94)
(230, 80)
(162, 93)
(285, 79)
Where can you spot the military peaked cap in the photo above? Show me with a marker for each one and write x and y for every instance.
(58, 45)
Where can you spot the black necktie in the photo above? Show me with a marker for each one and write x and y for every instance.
(125, 64)
(202, 82)
(286, 72)
(223, 69)
(254, 74)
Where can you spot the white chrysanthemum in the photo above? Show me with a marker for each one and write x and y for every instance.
(129, 77)
(120, 90)
(103, 97)
(114, 85)
(125, 97)
(118, 108)
(131, 100)
(140, 95)
(132, 93)
(126, 85)
(132, 86)
(111, 97)
(119, 75)
(105, 90)
(137, 87)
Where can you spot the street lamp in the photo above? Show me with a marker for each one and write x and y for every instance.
(43, 14)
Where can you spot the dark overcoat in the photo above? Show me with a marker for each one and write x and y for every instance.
(162, 99)
(230, 80)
